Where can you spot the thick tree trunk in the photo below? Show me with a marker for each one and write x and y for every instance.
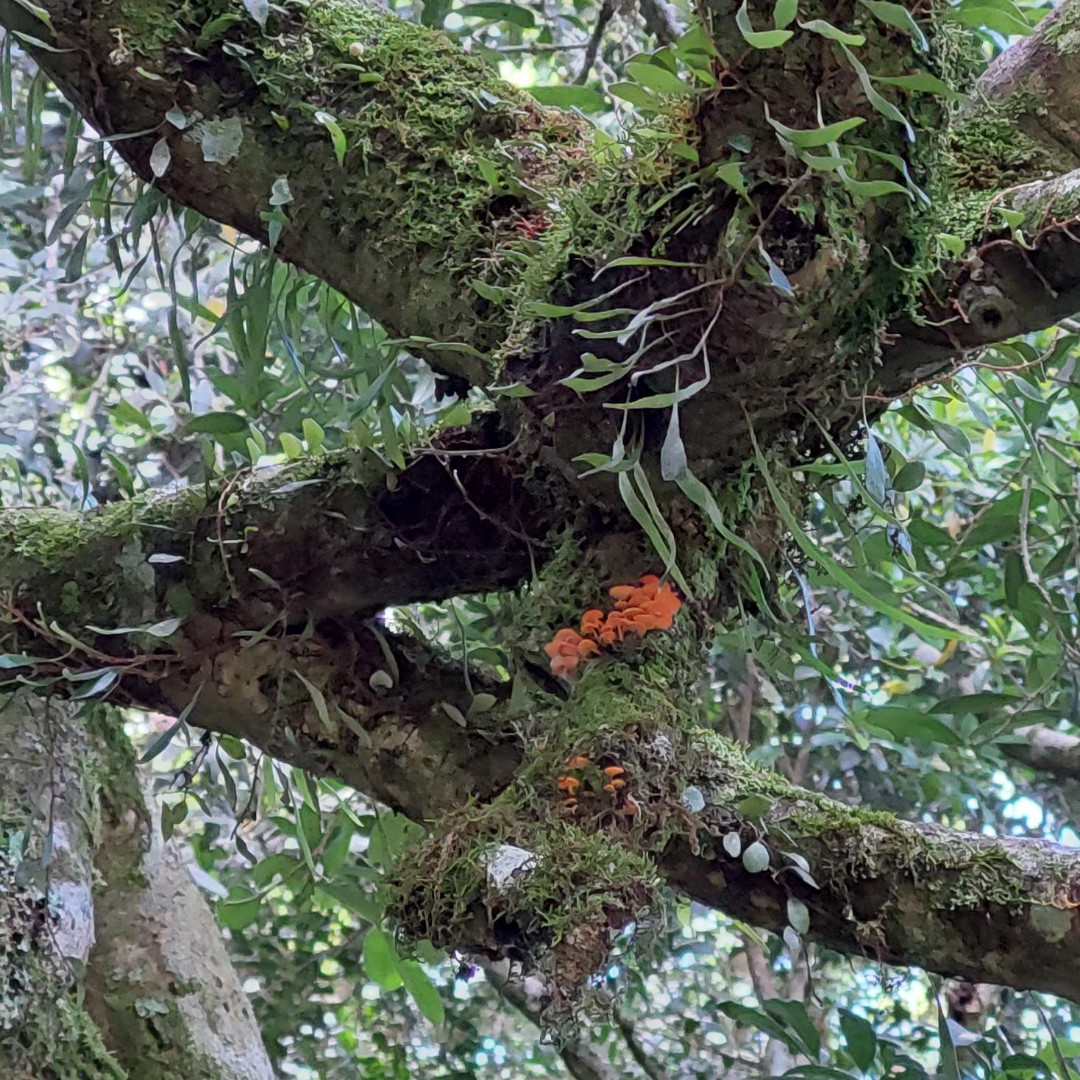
(94, 899)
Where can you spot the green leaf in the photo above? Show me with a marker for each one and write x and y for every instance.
(159, 629)
(217, 423)
(1006, 19)
(422, 990)
(759, 39)
(952, 437)
(158, 744)
(876, 477)
(1013, 576)
(381, 959)
(882, 104)
(319, 701)
(499, 12)
(366, 904)
(810, 137)
(922, 81)
(905, 723)
(874, 189)
(8, 661)
(648, 515)
(337, 136)
(126, 413)
(745, 1016)
(696, 41)
(756, 858)
(660, 401)
(238, 911)
(98, 686)
(785, 13)
(673, 452)
(313, 434)
(585, 98)
(292, 446)
(37, 12)
(794, 1016)
(636, 95)
(702, 497)
(685, 151)
(731, 174)
(481, 703)
(798, 915)
(656, 78)
(898, 16)
(910, 476)
(754, 807)
(978, 704)
(860, 1038)
(641, 260)
(827, 30)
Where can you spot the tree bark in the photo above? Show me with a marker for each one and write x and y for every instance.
(1046, 750)
(96, 901)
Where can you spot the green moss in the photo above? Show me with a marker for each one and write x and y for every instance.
(1064, 34)
(111, 770)
(49, 540)
(44, 1031)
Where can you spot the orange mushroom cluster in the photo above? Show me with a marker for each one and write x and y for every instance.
(638, 609)
(611, 780)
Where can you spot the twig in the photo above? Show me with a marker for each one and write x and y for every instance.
(222, 499)
(580, 1059)
(543, 47)
(638, 1052)
(607, 10)
(743, 714)
(659, 21)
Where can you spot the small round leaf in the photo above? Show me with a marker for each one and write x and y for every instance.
(756, 857)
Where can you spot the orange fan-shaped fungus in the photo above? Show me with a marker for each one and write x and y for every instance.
(638, 609)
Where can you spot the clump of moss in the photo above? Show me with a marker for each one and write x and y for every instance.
(572, 891)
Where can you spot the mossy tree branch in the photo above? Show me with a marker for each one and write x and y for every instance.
(401, 221)
(1035, 85)
(1003, 910)
(336, 535)
(904, 893)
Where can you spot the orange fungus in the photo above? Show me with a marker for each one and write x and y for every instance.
(638, 609)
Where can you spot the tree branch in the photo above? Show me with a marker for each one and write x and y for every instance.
(337, 535)
(413, 209)
(1035, 84)
(660, 20)
(1046, 750)
(649, 1066)
(1002, 910)
(581, 1060)
(1010, 282)
(999, 910)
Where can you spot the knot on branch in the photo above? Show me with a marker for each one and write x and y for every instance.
(986, 308)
